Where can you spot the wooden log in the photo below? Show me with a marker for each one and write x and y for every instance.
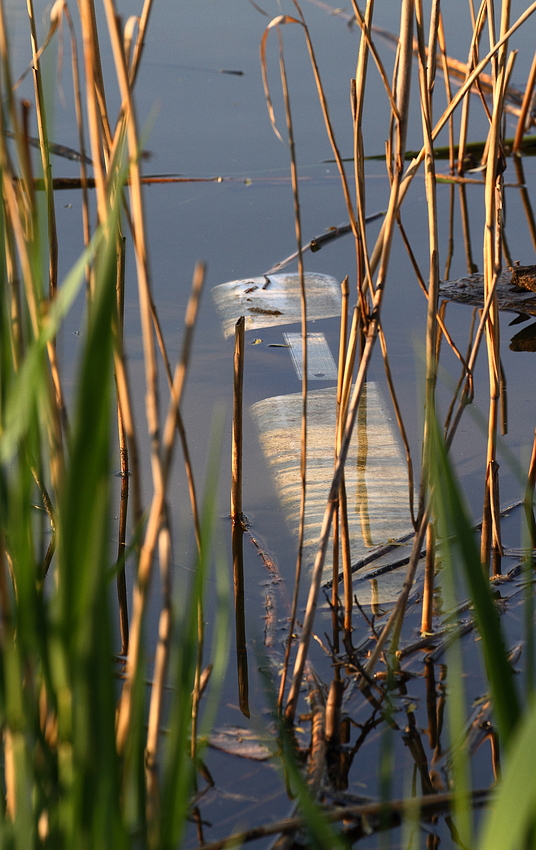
(511, 297)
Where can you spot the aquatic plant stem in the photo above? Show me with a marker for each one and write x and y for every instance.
(426, 85)
(460, 94)
(237, 519)
(156, 513)
(276, 22)
(45, 158)
(525, 107)
(316, 577)
(492, 264)
(236, 438)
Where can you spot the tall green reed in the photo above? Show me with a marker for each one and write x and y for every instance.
(79, 766)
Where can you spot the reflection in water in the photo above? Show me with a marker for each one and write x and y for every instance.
(375, 475)
(525, 339)
(240, 616)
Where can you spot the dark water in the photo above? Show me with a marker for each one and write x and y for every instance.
(202, 123)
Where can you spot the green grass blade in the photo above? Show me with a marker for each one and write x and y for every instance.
(454, 528)
(511, 813)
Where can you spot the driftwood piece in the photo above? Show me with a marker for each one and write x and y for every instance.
(510, 295)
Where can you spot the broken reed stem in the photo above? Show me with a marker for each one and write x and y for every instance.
(236, 438)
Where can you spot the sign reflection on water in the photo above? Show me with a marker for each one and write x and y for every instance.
(376, 473)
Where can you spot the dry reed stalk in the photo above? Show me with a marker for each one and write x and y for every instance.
(426, 84)
(467, 394)
(402, 101)
(450, 245)
(472, 59)
(158, 531)
(396, 618)
(466, 229)
(236, 438)
(237, 536)
(126, 417)
(492, 264)
(458, 97)
(86, 228)
(143, 22)
(428, 589)
(343, 335)
(346, 556)
(341, 537)
(440, 320)
(45, 158)
(21, 223)
(365, 24)
(277, 22)
(525, 199)
(180, 423)
(448, 90)
(349, 364)
(161, 661)
(168, 441)
(357, 94)
(400, 424)
(465, 377)
(529, 495)
(98, 139)
(327, 121)
(523, 124)
(237, 519)
(156, 519)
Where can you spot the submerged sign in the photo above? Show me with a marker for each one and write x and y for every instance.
(375, 472)
(274, 299)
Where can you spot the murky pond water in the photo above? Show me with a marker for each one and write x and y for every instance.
(200, 96)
